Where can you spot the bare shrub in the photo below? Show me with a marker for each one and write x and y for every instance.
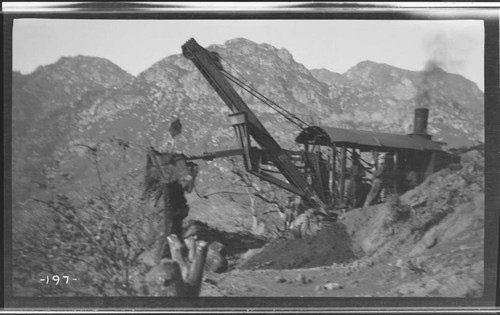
(96, 239)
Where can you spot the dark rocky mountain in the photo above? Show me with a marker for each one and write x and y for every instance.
(91, 101)
(62, 83)
(46, 105)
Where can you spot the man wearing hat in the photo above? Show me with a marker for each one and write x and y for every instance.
(357, 172)
(381, 177)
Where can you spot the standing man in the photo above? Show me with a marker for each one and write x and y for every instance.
(289, 212)
(381, 177)
(356, 174)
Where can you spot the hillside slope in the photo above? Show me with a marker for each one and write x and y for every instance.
(428, 242)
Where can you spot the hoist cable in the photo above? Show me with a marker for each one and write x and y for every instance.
(247, 87)
(287, 114)
(257, 96)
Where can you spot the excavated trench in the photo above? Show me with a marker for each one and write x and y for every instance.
(332, 244)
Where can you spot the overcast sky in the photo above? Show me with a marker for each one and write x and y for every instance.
(336, 45)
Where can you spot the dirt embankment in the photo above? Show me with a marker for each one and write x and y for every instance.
(428, 242)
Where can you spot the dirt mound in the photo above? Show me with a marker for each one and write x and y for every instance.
(428, 242)
(331, 245)
(446, 204)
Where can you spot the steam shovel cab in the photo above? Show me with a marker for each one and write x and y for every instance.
(328, 153)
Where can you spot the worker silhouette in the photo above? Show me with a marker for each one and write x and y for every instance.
(411, 179)
(289, 212)
(381, 177)
(357, 172)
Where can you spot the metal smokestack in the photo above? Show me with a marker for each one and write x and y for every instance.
(420, 122)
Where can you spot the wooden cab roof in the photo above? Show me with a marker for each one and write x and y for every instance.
(365, 140)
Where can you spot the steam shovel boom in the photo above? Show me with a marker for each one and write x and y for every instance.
(208, 63)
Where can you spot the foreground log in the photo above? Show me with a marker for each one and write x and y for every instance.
(182, 275)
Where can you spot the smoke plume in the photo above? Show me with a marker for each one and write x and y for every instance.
(446, 53)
